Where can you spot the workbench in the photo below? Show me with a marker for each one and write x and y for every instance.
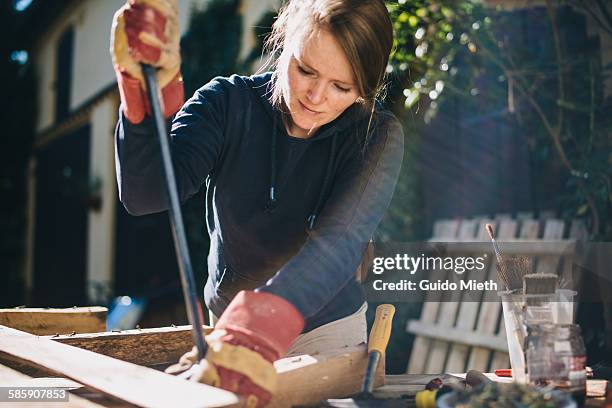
(125, 368)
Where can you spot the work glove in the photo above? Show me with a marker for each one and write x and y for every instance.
(147, 31)
(256, 329)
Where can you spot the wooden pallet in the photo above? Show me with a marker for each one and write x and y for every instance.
(115, 369)
(455, 336)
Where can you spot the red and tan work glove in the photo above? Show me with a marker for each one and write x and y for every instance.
(255, 330)
(147, 31)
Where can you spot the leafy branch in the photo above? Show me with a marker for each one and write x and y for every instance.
(435, 40)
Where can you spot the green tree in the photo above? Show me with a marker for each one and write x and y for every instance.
(211, 45)
(553, 92)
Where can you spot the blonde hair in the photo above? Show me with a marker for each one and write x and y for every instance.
(362, 28)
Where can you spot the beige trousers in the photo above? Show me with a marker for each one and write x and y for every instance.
(348, 331)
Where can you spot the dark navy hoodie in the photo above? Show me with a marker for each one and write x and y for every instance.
(285, 215)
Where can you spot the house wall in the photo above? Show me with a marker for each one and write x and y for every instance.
(92, 66)
(100, 237)
(92, 72)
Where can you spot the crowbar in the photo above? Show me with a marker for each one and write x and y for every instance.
(192, 303)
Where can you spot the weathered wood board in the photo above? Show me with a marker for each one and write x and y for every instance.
(303, 380)
(148, 347)
(13, 378)
(51, 321)
(125, 381)
(309, 379)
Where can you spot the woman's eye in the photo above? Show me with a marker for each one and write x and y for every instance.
(303, 71)
(341, 89)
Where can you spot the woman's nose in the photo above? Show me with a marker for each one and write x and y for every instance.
(316, 93)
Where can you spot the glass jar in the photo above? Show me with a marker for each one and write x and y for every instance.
(570, 356)
(556, 357)
(539, 354)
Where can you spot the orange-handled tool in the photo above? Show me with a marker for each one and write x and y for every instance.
(503, 372)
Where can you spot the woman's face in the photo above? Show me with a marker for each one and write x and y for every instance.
(320, 83)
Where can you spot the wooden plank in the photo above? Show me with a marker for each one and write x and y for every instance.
(578, 233)
(163, 345)
(13, 378)
(53, 382)
(51, 321)
(512, 247)
(303, 380)
(491, 306)
(454, 335)
(530, 229)
(523, 216)
(125, 381)
(444, 229)
(553, 231)
(448, 310)
(547, 214)
(309, 379)
(468, 313)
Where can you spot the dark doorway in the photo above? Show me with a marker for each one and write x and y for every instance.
(144, 257)
(146, 267)
(60, 243)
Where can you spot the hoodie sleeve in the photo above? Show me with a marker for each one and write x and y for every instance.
(196, 135)
(360, 196)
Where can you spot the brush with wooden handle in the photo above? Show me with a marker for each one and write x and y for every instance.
(377, 344)
(512, 277)
(539, 291)
(498, 255)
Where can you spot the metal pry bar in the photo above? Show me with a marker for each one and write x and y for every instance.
(192, 303)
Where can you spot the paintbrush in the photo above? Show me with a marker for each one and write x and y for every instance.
(501, 270)
(512, 278)
(516, 268)
(539, 290)
(540, 284)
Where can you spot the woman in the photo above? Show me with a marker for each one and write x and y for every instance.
(299, 164)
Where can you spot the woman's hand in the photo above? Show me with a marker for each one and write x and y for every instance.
(255, 330)
(147, 32)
